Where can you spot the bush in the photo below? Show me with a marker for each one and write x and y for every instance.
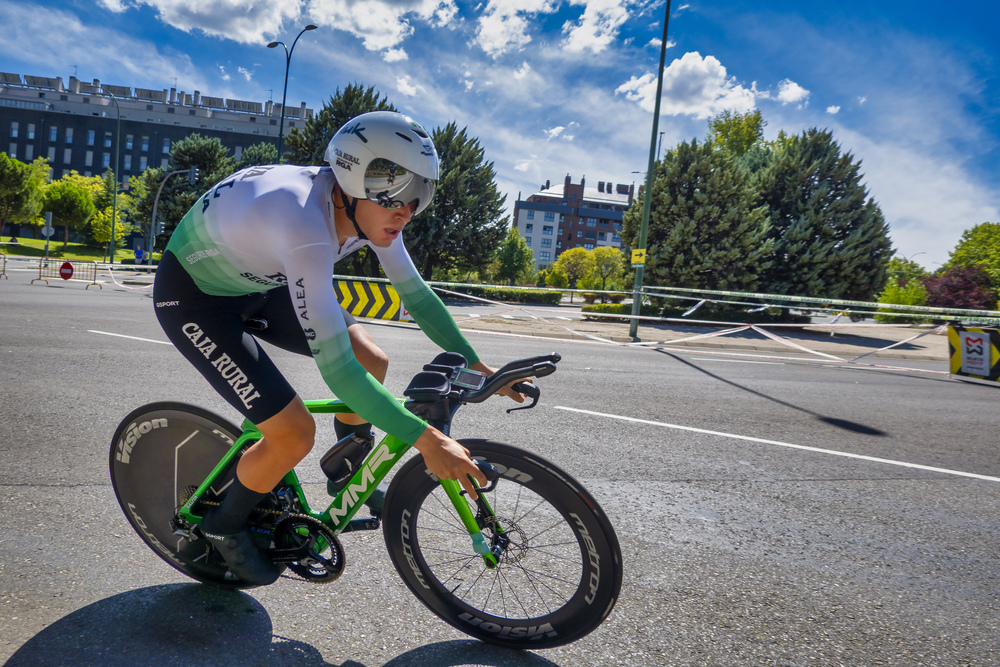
(964, 287)
(511, 294)
(912, 293)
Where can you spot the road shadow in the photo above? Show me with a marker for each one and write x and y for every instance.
(836, 422)
(194, 624)
(798, 335)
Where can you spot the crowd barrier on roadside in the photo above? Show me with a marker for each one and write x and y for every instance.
(67, 270)
(3, 266)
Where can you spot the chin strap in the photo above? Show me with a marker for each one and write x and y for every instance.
(349, 209)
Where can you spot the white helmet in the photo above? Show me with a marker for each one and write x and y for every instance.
(385, 157)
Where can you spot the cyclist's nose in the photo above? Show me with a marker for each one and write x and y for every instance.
(404, 213)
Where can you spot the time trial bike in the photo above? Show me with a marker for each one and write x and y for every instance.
(533, 563)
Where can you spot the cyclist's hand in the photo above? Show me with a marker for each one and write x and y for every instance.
(448, 459)
(506, 391)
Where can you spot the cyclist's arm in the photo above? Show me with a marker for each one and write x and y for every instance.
(308, 268)
(420, 300)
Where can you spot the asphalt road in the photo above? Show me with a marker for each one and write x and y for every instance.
(769, 513)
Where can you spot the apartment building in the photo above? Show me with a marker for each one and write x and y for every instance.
(77, 126)
(571, 215)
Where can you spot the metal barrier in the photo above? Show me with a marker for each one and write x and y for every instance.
(3, 266)
(67, 270)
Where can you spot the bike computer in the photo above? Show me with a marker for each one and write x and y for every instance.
(466, 378)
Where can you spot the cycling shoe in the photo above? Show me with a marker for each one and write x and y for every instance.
(244, 557)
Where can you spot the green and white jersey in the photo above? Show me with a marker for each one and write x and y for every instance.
(273, 226)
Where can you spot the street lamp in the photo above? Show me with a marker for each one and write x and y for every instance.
(118, 147)
(284, 93)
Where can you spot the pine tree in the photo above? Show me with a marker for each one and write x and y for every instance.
(704, 229)
(465, 220)
(831, 240)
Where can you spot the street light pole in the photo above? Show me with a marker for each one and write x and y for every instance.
(118, 148)
(284, 93)
(633, 327)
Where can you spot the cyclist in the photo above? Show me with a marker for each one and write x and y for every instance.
(261, 245)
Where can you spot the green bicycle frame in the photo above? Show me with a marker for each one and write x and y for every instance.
(340, 513)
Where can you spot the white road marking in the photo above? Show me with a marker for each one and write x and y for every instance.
(860, 457)
(145, 340)
(738, 361)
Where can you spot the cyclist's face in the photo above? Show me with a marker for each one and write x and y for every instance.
(382, 225)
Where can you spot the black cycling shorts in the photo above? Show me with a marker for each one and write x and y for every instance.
(211, 332)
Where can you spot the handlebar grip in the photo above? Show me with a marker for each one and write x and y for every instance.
(526, 388)
(553, 358)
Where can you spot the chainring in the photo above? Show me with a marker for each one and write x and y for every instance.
(320, 557)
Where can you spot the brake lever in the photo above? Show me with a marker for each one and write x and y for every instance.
(530, 390)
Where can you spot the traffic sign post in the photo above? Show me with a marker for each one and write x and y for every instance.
(66, 271)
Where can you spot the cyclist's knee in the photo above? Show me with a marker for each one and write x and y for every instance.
(293, 430)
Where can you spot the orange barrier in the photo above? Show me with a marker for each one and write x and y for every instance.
(67, 270)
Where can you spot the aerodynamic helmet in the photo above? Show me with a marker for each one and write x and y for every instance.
(385, 157)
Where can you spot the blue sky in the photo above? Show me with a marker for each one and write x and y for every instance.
(557, 87)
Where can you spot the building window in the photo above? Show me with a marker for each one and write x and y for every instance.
(106, 160)
(67, 155)
(53, 132)
(166, 145)
(547, 230)
(560, 231)
(591, 222)
(88, 159)
(558, 244)
(544, 256)
(142, 163)
(546, 243)
(29, 153)
(145, 144)
(530, 216)
(13, 129)
(107, 140)
(579, 233)
(550, 217)
(31, 131)
(128, 162)
(128, 142)
(12, 151)
(51, 154)
(602, 236)
(91, 137)
(69, 135)
(163, 163)
(615, 238)
(527, 239)
(588, 246)
(528, 227)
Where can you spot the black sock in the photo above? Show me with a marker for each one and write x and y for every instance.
(343, 429)
(231, 516)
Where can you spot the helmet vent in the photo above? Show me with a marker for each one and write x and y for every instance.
(400, 134)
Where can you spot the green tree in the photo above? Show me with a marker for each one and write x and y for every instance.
(980, 246)
(465, 221)
(736, 133)
(21, 188)
(830, 238)
(608, 264)
(705, 228)
(576, 264)
(262, 153)
(70, 205)
(308, 145)
(513, 257)
(903, 270)
(557, 277)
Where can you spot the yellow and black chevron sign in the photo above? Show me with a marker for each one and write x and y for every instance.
(974, 352)
(378, 301)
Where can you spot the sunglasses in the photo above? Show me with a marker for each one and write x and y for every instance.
(393, 186)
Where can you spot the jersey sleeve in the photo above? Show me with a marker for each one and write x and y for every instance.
(309, 271)
(420, 300)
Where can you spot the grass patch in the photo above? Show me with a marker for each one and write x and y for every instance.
(73, 251)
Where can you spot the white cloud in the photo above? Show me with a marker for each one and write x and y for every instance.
(597, 28)
(790, 92)
(692, 86)
(247, 74)
(862, 100)
(833, 109)
(394, 55)
(231, 19)
(523, 71)
(225, 75)
(406, 86)
(554, 132)
(523, 165)
(504, 25)
(116, 6)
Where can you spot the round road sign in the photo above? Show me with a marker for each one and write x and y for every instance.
(66, 271)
